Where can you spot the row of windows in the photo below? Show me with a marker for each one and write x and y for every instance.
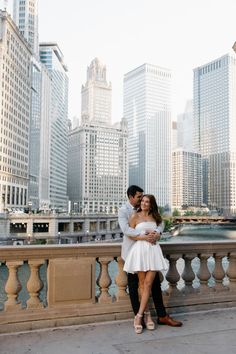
(13, 195)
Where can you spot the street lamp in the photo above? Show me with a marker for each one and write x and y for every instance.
(59, 238)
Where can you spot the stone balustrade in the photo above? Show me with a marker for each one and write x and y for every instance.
(85, 283)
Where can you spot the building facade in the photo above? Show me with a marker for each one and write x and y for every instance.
(40, 133)
(185, 127)
(97, 158)
(52, 57)
(25, 15)
(15, 73)
(147, 108)
(96, 95)
(186, 179)
(214, 108)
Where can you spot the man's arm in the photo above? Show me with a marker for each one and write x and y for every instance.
(123, 221)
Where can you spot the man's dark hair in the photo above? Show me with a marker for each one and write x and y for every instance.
(133, 189)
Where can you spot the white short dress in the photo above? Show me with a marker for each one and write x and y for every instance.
(144, 256)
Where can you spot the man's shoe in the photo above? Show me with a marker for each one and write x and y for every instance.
(167, 320)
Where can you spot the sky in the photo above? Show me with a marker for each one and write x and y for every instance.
(124, 34)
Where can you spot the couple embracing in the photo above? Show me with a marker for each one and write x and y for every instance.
(141, 224)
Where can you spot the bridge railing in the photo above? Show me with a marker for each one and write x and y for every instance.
(54, 285)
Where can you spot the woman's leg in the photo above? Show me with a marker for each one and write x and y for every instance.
(145, 285)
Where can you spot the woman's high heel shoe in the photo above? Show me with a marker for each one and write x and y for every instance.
(148, 321)
(138, 328)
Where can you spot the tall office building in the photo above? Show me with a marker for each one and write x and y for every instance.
(147, 108)
(186, 164)
(97, 158)
(40, 133)
(15, 73)
(186, 179)
(174, 144)
(52, 57)
(214, 113)
(185, 128)
(25, 15)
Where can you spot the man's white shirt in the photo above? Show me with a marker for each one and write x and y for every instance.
(123, 218)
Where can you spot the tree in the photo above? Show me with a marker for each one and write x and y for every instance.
(176, 212)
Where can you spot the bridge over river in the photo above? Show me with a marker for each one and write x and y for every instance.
(204, 219)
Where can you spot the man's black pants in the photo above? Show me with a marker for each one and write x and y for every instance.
(156, 294)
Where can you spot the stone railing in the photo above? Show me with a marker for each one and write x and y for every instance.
(49, 286)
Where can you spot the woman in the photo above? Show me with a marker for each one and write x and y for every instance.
(145, 258)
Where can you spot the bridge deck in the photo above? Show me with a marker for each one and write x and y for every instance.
(203, 332)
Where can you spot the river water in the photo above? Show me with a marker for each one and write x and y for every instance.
(188, 233)
(203, 233)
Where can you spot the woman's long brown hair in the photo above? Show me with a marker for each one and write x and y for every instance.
(153, 208)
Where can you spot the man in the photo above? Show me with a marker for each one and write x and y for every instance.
(135, 194)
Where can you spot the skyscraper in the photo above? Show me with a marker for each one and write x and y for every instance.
(96, 95)
(52, 57)
(25, 15)
(147, 108)
(186, 179)
(186, 164)
(185, 128)
(97, 158)
(40, 133)
(15, 73)
(214, 113)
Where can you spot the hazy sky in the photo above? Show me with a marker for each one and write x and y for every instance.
(124, 34)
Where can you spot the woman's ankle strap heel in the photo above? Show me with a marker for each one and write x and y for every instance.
(148, 321)
(138, 328)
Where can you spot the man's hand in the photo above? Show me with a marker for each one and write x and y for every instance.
(153, 237)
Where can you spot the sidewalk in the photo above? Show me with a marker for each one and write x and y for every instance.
(202, 332)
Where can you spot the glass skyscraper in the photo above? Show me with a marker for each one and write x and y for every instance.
(214, 113)
(147, 108)
(40, 137)
(52, 58)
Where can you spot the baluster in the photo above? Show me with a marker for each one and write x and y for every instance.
(203, 273)
(34, 284)
(104, 280)
(121, 281)
(12, 287)
(172, 275)
(231, 271)
(219, 272)
(188, 273)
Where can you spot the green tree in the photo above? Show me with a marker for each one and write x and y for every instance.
(168, 224)
(176, 212)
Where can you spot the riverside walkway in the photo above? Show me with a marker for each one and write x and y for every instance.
(204, 332)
